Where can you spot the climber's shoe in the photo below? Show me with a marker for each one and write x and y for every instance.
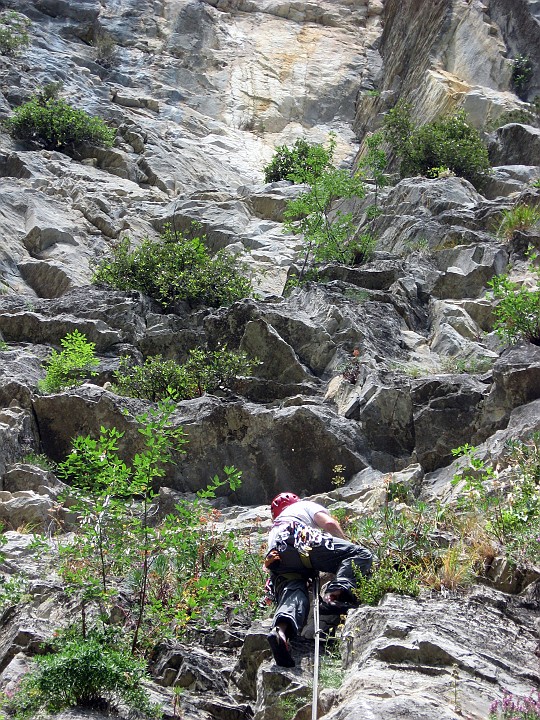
(281, 650)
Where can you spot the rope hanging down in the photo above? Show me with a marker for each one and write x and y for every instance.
(316, 623)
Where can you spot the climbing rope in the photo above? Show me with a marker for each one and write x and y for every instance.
(316, 624)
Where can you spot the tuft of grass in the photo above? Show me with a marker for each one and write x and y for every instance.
(517, 219)
(471, 366)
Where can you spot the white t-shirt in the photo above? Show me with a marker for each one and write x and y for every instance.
(302, 511)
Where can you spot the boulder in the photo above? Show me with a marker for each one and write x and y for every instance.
(467, 269)
(516, 381)
(28, 509)
(278, 360)
(447, 412)
(33, 327)
(386, 420)
(47, 279)
(18, 432)
(26, 476)
(523, 421)
(515, 144)
(506, 180)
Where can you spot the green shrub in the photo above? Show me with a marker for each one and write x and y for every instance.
(13, 32)
(83, 672)
(522, 71)
(293, 163)
(506, 502)
(56, 125)
(106, 49)
(204, 371)
(386, 577)
(450, 142)
(71, 366)
(175, 268)
(517, 219)
(517, 314)
(39, 460)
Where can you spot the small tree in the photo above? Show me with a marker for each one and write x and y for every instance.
(327, 231)
(522, 72)
(374, 165)
(174, 571)
(71, 366)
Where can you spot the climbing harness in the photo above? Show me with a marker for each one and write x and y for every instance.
(317, 628)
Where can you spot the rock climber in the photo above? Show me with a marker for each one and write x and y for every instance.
(305, 539)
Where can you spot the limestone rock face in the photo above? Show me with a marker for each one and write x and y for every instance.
(449, 56)
(438, 641)
(379, 369)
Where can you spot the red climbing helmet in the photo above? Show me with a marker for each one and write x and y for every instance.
(281, 501)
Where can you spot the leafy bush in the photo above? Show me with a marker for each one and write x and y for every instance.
(517, 219)
(414, 546)
(71, 366)
(450, 142)
(85, 672)
(522, 71)
(204, 371)
(293, 163)
(527, 115)
(175, 268)
(13, 32)
(328, 233)
(517, 314)
(56, 125)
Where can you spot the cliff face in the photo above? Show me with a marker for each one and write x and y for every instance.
(200, 93)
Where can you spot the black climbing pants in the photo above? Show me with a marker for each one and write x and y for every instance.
(290, 576)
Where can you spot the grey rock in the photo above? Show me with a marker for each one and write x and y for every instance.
(25, 476)
(386, 419)
(278, 360)
(81, 10)
(17, 431)
(436, 639)
(273, 447)
(515, 144)
(46, 279)
(523, 421)
(447, 412)
(516, 381)
(30, 510)
(34, 327)
(507, 180)
(467, 270)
